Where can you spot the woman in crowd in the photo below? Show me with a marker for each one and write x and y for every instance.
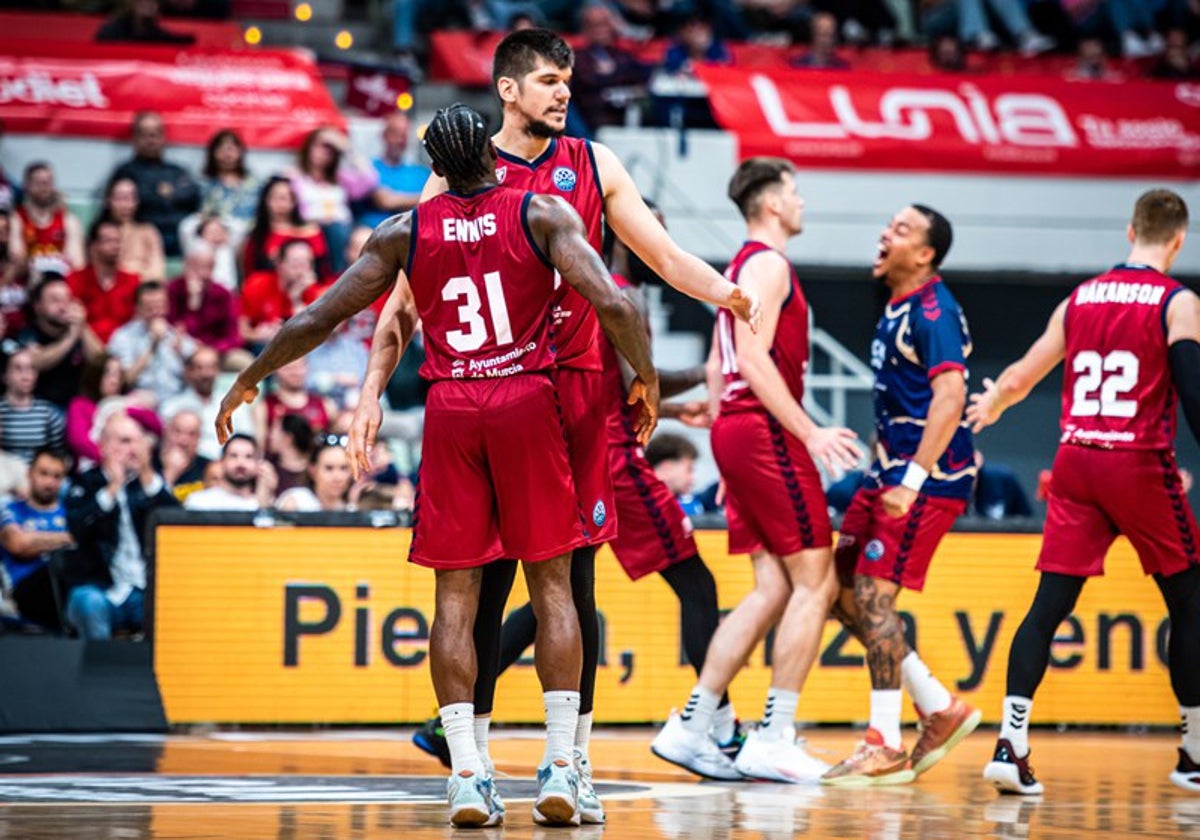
(277, 220)
(228, 191)
(141, 243)
(328, 177)
(289, 446)
(329, 481)
(101, 392)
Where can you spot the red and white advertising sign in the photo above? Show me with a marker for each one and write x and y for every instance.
(271, 97)
(1014, 125)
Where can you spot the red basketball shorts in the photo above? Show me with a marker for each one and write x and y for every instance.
(584, 417)
(654, 531)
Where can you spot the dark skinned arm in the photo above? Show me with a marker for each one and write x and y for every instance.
(671, 383)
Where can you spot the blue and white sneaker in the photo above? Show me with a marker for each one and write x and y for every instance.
(489, 776)
(591, 809)
(558, 794)
(473, 801)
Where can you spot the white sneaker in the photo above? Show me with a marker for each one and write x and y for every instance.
(591, 809)
(472, 801)
(778, 759)
(1134, 46)
(1035, 43)
(557, 794)
(694, 752)
(987, 41)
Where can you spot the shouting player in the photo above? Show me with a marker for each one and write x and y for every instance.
(495, 478)
(1131, 341)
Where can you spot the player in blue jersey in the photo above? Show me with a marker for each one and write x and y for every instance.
(918, 485)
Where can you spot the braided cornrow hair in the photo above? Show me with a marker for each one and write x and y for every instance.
(456, 141)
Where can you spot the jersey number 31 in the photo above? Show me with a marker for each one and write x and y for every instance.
(475, 332)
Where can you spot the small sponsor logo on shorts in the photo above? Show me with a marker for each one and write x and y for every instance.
(599, 515)
(874, 550)
(846, 541)
(564, 178)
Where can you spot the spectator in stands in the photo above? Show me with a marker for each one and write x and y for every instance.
(211, 231)
(107, 512)
(822, 51)
(26, 422)
(200, 376)
(1133, 21)
(695, 42)
(271, 297)
(290, 395)
(137, 20)
(105, 291)
(141, 245)
(608, 79)
(1091, 64)
(673, 458)
(247, 480)
(778, 21)
(329, 175)
(946, 54)
(178, 457)
(400, 181)
(59, 340)
(290, 442)
(166, 191)
(101, 393)
(1176, 62)
(150, 350)
(227, 189)
(861, 18)
(13, 295)
(998, 491)
(276, 221)
(44, 236)
(10, 190)
(970, 19)
(328, 482)
(205, 310)
(30, 529)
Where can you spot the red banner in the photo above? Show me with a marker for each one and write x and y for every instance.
(1010, 124)
(271, 97)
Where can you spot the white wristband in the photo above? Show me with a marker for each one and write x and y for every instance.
(914, 476)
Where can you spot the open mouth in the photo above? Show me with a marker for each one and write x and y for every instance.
(881, 254)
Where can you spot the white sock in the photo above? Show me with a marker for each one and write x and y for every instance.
(458, 720)
(562, 720)
(920, 683)
(583, 733)
(885, 715)
(698, 713)
(724, 724)
(1190, 723)
(1014, 726)
(779, 718)
(482, 724)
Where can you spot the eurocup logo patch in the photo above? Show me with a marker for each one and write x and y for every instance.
(874, 550)
(501, 171)
(599, 515)
(564, 178)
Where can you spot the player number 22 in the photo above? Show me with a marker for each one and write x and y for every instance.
(475, 331)
(1102, 381)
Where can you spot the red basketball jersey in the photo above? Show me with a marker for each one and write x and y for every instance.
(622, 416)
(481, 285)
(1117, 387)
(567, 169)
(789, 350)
(47, 240)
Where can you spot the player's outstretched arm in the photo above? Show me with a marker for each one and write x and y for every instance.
(371, 275)
(1019, 378)
(1183, 342)
(635, 224)
(942, 421)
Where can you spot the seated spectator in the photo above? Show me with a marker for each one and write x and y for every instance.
(328, 482)
(290, 442)
(1176, 62)
(137, 21)
(227, 189)
(101, 392)
(141, 246)
(271, 297)
(212, 232)
(695, 43)
(946, 54)
(290, 395)
(27, 423)
(107, 512)
(822, 52)
(204, 310)
(13, 295)
(276, 221)
(30, 529)
(969, 20)
(400, 181)
(105, 291)
(59, 340)
(44, 236)
(998, 491)
(336, 368)
(673, 458)
(178, 458)
(1091, 64)
(166, 191)
(10, 190)
(329, 175)
(862, 19)
(150, 350)
(247, 480)
(200, 377)
(608, 79)
(785, 21)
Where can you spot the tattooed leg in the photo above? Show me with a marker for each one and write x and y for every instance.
(880, 629)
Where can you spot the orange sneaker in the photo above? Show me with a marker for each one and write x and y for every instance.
(941, 732)
(873, 763)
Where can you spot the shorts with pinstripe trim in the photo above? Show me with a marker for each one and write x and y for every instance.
(895, 548)
(1097, 494)
(654, 532)
(773, 495)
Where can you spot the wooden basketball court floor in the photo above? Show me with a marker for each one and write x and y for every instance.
(374, 784)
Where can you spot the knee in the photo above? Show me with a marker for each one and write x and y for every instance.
(87, 601)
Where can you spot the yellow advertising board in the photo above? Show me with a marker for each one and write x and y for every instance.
(331, 625)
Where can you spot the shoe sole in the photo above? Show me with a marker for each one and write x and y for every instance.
(934, 756)
(1185, 781)
(998, 773)
(473, 817)
(896, 777)
(556, 810)
(589, 816)
(774, 774)
(693, 770)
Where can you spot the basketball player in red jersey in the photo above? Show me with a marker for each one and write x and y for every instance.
(45, 236)
(1131, 341)
(532, 72)
(494, 474)
(766, 447)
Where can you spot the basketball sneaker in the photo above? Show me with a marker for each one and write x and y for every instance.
(557, 800)
(473, 801)
(873, 763)
(431, 739)
(941, 732)
(1011, 774)
(778, 759)
(1187, 772)
(695, 752)
(734, 745)
(591, 809)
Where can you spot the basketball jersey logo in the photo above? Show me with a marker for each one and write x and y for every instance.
(501, 171)
(599, 514)
(564, 178)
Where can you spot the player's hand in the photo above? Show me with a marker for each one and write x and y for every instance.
(898, 500)
(364, 429)
(694, 414)
(645, 393)
(836, 448)
(237, 394)
(981, 410)
(744, 303)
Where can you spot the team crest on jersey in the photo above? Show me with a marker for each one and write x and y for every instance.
(564, 178)
(874, 550)
(501, 171)
(599, 515)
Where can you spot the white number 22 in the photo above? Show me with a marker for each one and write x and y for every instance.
(1113, 375)
(475, 331)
